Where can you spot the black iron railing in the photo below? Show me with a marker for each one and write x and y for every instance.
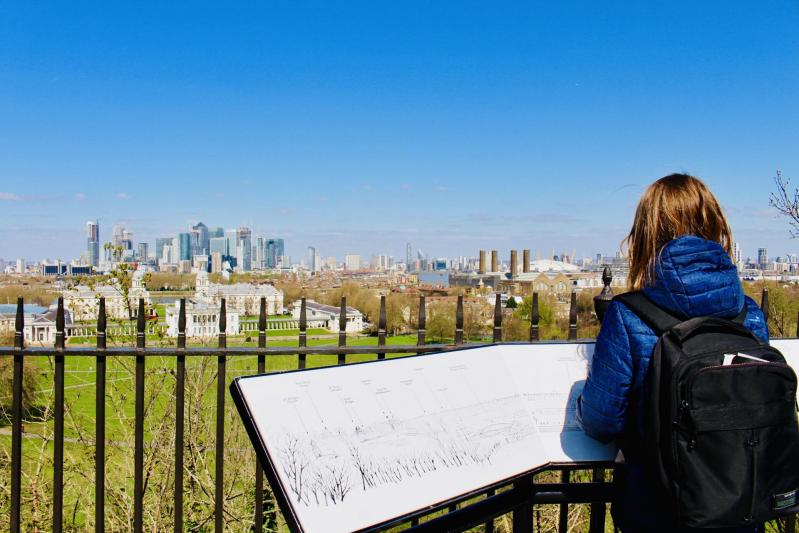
(517, 496)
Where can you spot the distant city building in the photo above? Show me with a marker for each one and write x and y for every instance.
(762, 258)
(231, 243)
(59, 268)
(93, 243)
(184, 247)
(275, 249)
(260, 253)
(21, 265)
(200, 262)
(408, 257)
(314, 260)
(244, 298)
(118, 234)
(244, 249)
(199, 239)
(127, 240)
(218, 245)
(440, 264)
(160, 242)
(216, 262)
(143, 252)
(352, 262)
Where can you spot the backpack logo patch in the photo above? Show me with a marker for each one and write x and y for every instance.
(785, 500)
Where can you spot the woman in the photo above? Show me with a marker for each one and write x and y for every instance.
(679, 251)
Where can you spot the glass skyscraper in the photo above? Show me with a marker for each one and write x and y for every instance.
(93, 243)
(184, 246)
(275, 249)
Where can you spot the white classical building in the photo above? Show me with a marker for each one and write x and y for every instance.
(329, 315)
(83, 301)
(39, 323)
(202, 319)
(243, 298)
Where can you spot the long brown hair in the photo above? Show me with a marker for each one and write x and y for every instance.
(675, 205)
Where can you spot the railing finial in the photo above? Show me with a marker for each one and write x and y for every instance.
(497, 337)
(59, 324)
(573, 316)
(535, 317)
(140, 325)
(381, 326)
(459, 321)
(19, 325)
(262, 324)
(222, 324)
(102, 324)
(182, 324)
(603, 299)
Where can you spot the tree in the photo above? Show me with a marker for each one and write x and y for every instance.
(786, 203)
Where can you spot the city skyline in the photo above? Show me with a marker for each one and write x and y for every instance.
(264, 251)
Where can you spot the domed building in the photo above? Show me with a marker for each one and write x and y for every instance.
(243, 298)
(550, 265)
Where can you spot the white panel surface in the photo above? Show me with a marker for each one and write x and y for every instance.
(358, 445)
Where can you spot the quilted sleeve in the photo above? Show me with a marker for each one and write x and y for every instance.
(755, 320)
(602, 406)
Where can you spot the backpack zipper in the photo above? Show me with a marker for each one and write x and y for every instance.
(751, 444)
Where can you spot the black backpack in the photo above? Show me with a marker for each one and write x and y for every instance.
(721, 435)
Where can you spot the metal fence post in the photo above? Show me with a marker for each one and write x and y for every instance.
(138, 452)
(16, 419)
(420, 336)
(219, 478)
(303, 338)
(259, 473)
(381, 326)
(180, 394)
(58, 422)
(342, 330)
(99, 410)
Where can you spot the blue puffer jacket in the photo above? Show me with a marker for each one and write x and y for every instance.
(693, 277)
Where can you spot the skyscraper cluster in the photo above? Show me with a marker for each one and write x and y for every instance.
(214, 249)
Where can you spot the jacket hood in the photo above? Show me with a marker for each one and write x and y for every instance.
(696, 277)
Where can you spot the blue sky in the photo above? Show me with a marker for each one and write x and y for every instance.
(358, 127)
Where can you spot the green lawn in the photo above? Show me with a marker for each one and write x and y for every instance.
(80, 422)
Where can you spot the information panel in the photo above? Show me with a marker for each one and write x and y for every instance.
(350, 447)
(358, 445)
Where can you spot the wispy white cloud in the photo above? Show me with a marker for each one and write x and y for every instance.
(123, 196)
(9, 196)
(441, 188)
(406, 186)
(79, 196)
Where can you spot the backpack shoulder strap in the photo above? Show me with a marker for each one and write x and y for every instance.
(653, 316)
